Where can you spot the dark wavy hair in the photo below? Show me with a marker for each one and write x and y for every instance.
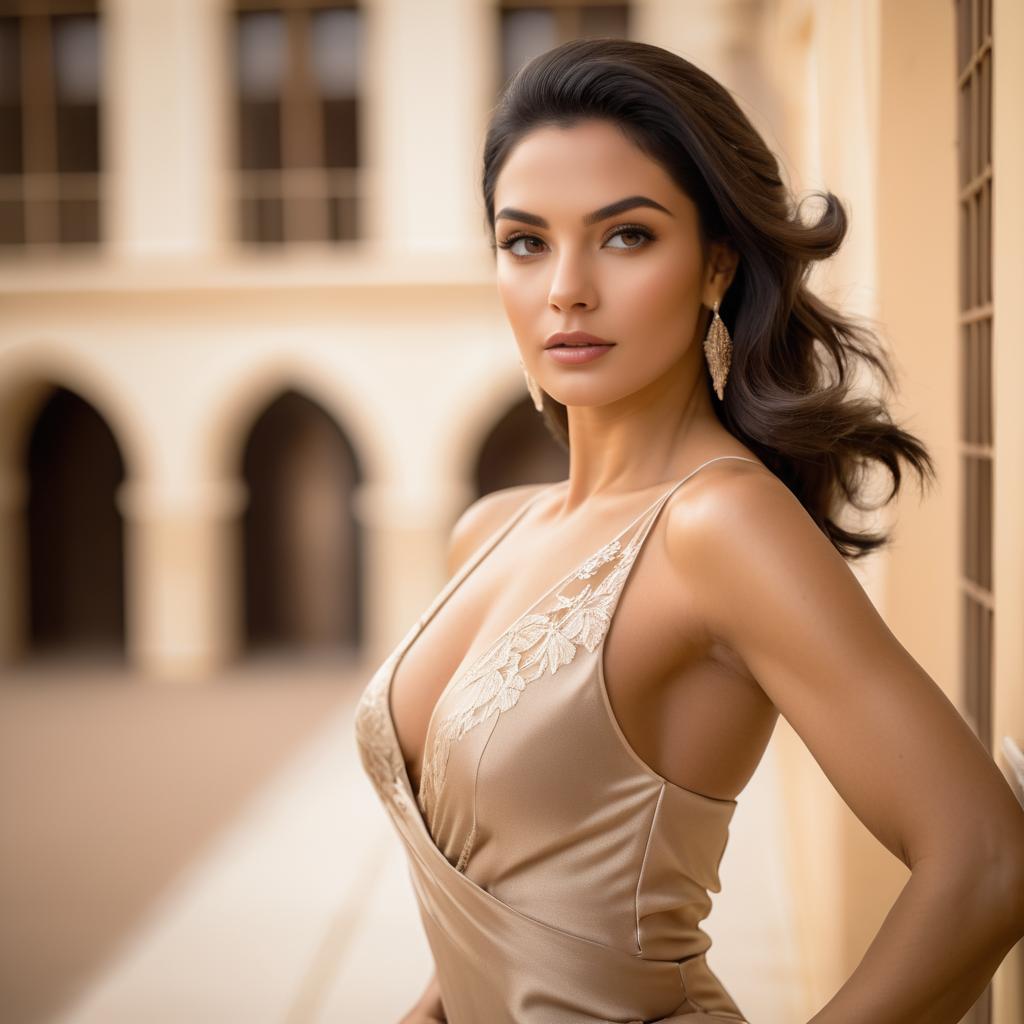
(790, 395)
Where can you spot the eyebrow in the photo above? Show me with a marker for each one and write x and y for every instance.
(603, 213)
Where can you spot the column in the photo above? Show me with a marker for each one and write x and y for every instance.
(428, 74)
(406, 533)
(166, 125)
(183, 577)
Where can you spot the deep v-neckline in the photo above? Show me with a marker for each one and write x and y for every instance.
(443, 597)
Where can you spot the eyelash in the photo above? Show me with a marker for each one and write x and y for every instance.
(632, 229)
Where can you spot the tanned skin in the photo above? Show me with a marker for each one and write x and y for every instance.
(739, 608)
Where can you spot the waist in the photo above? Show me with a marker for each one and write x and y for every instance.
(496, 964)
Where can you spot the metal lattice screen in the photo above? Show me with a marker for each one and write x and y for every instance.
(974, 128)
(527, 27)
(298, 81)
(50, 131)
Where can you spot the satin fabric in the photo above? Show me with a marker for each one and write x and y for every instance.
(558, 877)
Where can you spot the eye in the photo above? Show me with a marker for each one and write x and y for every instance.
(518, 236)
(631, 229)
(623, 230)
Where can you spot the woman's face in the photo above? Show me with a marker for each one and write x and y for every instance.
(635, 277)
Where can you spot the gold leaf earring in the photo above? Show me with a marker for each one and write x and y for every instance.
(535, 392)
(718, 350)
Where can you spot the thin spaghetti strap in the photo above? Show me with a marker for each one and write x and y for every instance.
(716, 459)
(708, 462)
(649, 517)
(678, 483)
(469, 564)
(491, 542)
(500, 532)
(518, 514)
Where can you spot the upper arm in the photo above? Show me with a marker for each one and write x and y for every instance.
(776, 591)
(481, 518)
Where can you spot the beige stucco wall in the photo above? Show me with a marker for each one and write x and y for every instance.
(918, 255)
(917, 247)
(867, 97)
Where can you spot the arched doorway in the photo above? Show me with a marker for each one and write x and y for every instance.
(519, 450)
(75, 532)
(302, 551)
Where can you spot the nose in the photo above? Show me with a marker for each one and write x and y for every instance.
(572, 284)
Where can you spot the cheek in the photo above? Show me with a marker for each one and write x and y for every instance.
(664, 290)
(519, 297)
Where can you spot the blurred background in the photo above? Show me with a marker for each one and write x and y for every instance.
(252, 367)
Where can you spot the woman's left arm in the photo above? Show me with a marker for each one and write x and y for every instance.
(775, 590)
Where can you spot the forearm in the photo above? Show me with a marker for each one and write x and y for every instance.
(935, 952)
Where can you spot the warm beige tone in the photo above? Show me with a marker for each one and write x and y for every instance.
(508, 901)
(178, 339)
(1008, 373)
(128, 784)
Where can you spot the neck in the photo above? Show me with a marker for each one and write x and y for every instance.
(654, 435)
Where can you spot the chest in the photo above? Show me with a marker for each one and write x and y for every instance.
(510, 582)
(651, 655)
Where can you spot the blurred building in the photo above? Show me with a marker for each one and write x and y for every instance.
(253, 363)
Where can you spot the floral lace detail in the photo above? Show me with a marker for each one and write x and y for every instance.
(592, 564)
(374, 729)
(374, 739)
(467, 846)
(534, 645)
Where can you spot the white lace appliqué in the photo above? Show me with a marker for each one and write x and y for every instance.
(534, 645)
(374, 730)
(592, 564)
(377, 749)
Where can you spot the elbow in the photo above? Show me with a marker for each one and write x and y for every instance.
(1013, 890)
(1002, 871)
(988, 876)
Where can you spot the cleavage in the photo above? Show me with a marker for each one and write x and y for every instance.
(429, 654)
(430, 662)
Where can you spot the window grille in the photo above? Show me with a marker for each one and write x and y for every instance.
(974, 136)
(298, 79)
(50, 153)
(529, 28)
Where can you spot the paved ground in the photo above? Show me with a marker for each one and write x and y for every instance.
(110, 785)
(217, 856)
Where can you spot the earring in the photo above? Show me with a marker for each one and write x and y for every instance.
(718, 350)
(535, 392)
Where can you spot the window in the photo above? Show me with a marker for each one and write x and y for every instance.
(528, 29)
(50, 159)
(298, 67)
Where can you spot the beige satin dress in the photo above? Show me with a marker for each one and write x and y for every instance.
(559, 878)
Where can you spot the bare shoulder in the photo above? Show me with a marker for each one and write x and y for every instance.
(770, 585)
(733, 495)
(477, 522)
(738, 530)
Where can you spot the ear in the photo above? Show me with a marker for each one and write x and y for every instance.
(719, 271)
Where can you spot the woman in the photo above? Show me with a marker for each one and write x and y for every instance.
(563, 776)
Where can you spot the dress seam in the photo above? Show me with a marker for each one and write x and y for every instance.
(643, 866)
(470, 841)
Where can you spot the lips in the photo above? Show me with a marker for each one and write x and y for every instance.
(575, 339)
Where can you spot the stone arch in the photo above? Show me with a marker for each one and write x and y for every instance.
(500, 439)
(302, 549)
(518, 449)
(48, 366)
(253, 391)
(61, 470)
